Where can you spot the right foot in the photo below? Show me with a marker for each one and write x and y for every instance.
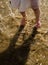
(38, 24)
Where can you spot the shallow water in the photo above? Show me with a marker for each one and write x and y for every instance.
(9, 25)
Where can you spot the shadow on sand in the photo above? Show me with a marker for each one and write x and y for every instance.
(19, 55)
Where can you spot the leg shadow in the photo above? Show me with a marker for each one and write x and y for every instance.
(19, 55)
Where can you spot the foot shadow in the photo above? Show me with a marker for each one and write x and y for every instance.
(19, 55)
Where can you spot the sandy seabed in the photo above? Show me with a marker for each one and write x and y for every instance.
(9, 25)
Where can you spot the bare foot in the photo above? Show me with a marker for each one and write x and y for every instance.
(38, 24)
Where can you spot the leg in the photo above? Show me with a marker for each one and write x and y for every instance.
(35, 7)
(23, 22)
(37, 15)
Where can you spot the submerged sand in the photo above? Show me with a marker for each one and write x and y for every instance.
(9, 25)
